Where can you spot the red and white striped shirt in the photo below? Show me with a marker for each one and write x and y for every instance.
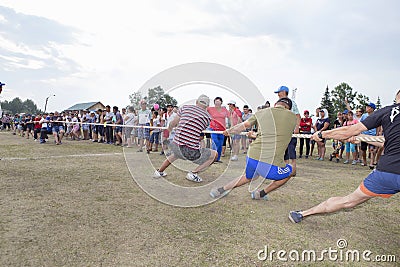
(193, 120)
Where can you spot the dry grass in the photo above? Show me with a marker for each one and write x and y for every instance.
(88, 211)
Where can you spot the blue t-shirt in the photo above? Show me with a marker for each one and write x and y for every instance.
(368, 132)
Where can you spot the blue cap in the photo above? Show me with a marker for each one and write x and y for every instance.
(372, 105)
(282, 88)
(1, 84)
(345, 111)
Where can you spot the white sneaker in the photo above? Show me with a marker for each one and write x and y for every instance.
(194, 177)
(158, 174)
(234, 158)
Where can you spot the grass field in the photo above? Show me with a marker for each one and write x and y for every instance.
(78, 205)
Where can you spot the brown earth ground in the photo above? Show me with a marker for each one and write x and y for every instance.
(77, 205)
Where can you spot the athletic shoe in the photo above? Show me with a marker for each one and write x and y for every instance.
(300, 156)
(158, 174)
(354, 162)
(306, 156)
(234, 158)
(295, 216)
(321, 159)
(256, 195)
(215, 193)
(194, 177)
(346, 162)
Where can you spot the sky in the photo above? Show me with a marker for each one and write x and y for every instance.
(84, 51)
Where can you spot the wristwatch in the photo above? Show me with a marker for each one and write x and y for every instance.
(320, 135)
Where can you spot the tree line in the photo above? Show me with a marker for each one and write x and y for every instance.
(18, 106)
(335, 100)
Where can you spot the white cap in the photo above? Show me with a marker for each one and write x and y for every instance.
(232, 102)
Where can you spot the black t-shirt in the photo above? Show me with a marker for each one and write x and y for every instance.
(337, 123)
(389, 118)
(56, 118)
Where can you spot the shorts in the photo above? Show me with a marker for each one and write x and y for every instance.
(128, 131)
(365, 145)
(85, 127)
(154, 138)
(197, 156)
(118, 129)
(236, 137)
(144, 133)
(381, 184)
(290, 152)
(350, 147)
(255, 168)
(57, 129)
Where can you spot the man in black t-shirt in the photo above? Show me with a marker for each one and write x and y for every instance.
(382, 182)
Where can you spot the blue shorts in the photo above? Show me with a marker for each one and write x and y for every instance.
(236, 137)
(144, 133)
(154, 138)
(255, 168)
(381, 184)
(57, 129)
(118, 129)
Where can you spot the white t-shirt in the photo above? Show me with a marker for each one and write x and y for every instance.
(144, 116)
(129, 119)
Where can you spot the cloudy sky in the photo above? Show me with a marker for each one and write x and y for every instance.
(84, 51)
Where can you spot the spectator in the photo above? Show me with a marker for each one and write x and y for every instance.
(118, 129)
(235, 117)
(129, 120)
(350, 147)
(144, 120)
(370, 108)
(305, 128)
(85, 127)
(218, 114)
(155, 133)
(245, 116)
(290, 154)
(322, 124)
(109, 133)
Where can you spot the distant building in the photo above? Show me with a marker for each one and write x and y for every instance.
(86, 106)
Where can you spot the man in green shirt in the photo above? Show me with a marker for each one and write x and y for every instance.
(265, 156)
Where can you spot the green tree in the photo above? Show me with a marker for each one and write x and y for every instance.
(362, 100)
(18, 106)
(326, 102)
(135, 99)
(157, 95)
(378, 103)
(340, 94)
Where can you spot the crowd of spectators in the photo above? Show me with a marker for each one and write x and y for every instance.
(123, 127)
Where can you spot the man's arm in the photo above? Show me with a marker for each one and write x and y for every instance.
(238, 128)
(341, 133)
(173, 123)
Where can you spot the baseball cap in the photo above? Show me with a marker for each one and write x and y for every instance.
(345, 112)
(285, 100)
(232, 102)
(1, 84)
(306, 112)
(203, 99)
(282, 88)
(372, 105)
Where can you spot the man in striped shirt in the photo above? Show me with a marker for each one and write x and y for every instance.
(191, 120)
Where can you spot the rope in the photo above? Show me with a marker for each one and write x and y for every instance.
(379, 139)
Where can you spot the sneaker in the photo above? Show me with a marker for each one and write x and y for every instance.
(321, 159)
(194, 177)
(295, 216)
(158, 174)
(256, 195)
(354, 162)
(306, 156)
(300, 156)
(346, 162)
(234, 158)
(215, 193)
(161, 153)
